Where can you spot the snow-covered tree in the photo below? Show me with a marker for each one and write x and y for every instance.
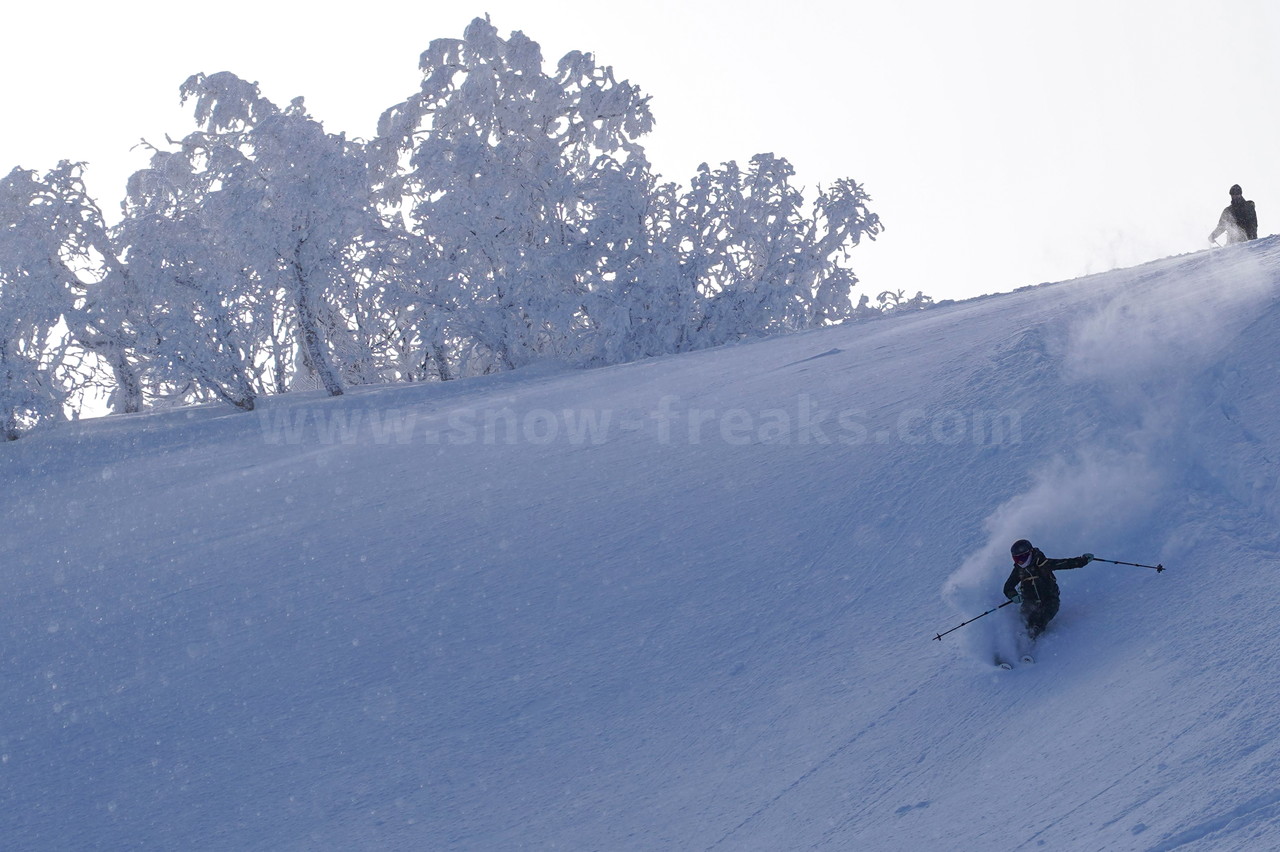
(61, 321)
(642, 304)
(210, 316)
(34, 294)
(260, 246)
(512, 174)
(291, 201)
(762, 262)
(839, 221)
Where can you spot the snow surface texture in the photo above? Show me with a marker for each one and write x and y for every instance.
(686, 603)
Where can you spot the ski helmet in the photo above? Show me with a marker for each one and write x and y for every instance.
(1021, 550)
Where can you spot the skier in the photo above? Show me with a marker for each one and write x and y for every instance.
(1031, 583)
(1239, 221)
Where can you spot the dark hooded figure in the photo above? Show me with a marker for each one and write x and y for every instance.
(1239, 221)
(1032, 583)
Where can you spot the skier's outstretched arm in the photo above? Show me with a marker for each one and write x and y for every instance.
(1068, 564)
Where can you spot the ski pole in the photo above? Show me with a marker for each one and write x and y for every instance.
(970, 621)
(1158, 568)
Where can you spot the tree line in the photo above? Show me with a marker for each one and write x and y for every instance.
(501, 215)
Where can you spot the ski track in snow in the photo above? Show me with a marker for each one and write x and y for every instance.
(811, 772)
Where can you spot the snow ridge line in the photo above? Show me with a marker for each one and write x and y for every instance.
(810, 772)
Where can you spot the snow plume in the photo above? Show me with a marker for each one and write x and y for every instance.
(1073, 506)
(1157, 328)
(1139, 358)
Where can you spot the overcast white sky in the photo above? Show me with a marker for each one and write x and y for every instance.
(1004, 143)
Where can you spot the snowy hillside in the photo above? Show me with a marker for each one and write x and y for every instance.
(685, 603)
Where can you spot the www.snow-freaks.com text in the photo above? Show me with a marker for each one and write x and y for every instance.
(669, 421)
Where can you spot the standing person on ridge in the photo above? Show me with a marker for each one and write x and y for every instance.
(1032, 584)
(1239, 221)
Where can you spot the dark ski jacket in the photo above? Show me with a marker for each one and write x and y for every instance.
(1036, 582)
(1239, 221)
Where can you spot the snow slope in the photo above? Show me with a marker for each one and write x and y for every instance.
(686, 603)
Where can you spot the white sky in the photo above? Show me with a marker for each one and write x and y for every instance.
(1004, 143)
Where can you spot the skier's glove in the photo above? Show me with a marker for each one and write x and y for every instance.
(1088, 557)
(1017, 598)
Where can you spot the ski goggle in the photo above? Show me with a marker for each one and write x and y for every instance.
(1021, 559)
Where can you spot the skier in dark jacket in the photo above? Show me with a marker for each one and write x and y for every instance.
(1031, 583)
(1239, 221)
